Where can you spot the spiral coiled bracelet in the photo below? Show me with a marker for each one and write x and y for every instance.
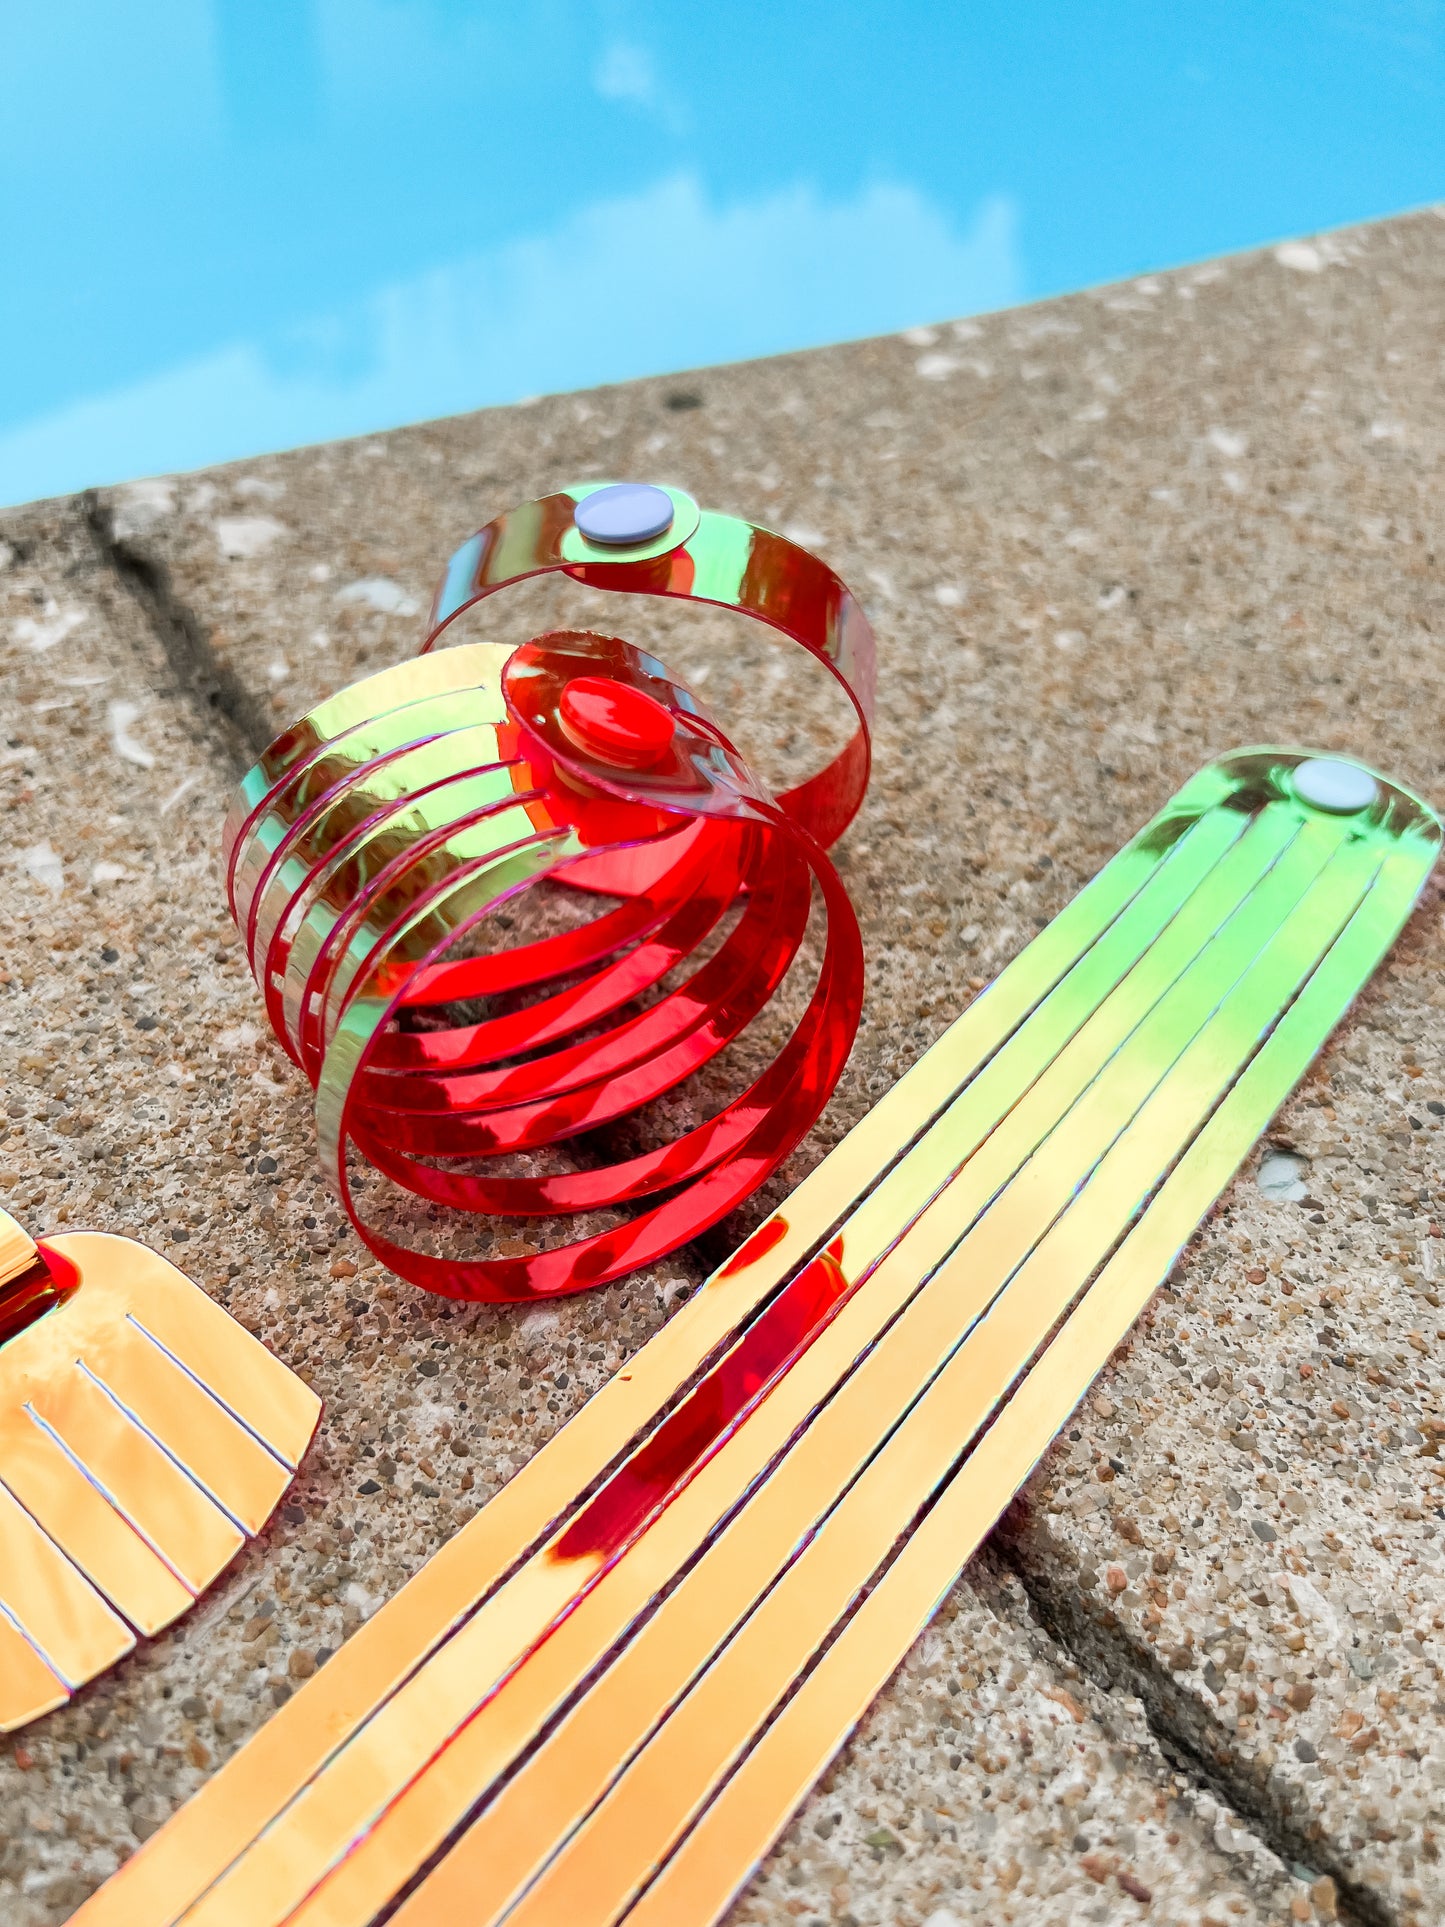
(369, 843)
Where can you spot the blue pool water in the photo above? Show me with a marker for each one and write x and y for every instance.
(233, 225)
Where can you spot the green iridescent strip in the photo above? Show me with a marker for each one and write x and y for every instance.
(396, 688)
(1054, 1133)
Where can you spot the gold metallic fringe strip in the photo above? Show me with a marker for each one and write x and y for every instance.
(619, 1729)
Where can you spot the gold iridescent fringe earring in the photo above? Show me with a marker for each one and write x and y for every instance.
(144, 1437)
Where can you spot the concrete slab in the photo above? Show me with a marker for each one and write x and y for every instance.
(1102, 540)
(141, 1095)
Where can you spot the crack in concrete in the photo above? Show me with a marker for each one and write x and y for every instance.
(200, 674)
(996, 1577)
(1197, 1745)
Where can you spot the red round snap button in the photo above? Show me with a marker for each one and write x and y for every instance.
(616, 723)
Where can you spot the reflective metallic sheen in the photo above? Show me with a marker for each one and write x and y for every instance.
(369, 848)
(144, 1436)
(604, 1698)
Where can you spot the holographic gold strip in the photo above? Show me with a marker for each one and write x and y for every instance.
(1120, 1042)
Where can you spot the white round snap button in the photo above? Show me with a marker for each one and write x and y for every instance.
(624, 514)
(1341, 788)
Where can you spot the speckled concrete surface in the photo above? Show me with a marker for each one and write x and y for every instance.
(1102, 540)
(144, 1098)
(141, 1095)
